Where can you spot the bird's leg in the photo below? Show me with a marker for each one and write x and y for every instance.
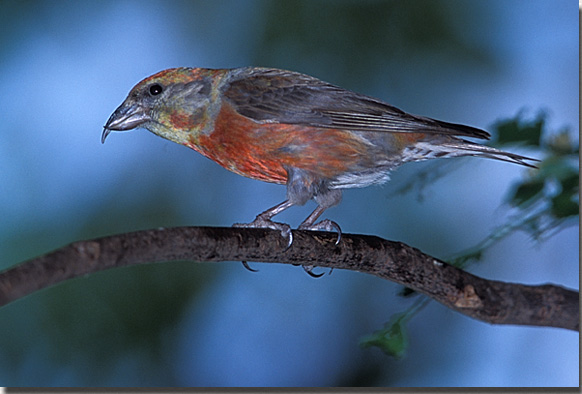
(324, 225)
(263, 220)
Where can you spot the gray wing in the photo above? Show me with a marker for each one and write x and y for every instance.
(279, 96)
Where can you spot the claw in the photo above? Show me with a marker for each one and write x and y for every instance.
(309, 270)
(325, 225)
(248, 267)
(261, 222)
(288, 234)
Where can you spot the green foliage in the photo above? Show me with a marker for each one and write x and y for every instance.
(526, 191)
(551, 194)
(544, 201)
(510, 131)
(392, 339)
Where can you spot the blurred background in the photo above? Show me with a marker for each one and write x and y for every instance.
(66, 65)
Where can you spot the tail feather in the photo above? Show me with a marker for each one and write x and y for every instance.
(423, 150)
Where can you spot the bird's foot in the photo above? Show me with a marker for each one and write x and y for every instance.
(324, 225)
(262, 222)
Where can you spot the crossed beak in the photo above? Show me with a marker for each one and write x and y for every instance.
(126, 117)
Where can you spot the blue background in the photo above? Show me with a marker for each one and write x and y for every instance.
(66, 65)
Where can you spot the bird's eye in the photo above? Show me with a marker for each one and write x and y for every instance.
(155, 89)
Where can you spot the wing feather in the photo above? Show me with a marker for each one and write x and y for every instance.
(277, 96)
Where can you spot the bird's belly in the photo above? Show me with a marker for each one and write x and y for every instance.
(375, 176)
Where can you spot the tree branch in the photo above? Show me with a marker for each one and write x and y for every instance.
(488, 300)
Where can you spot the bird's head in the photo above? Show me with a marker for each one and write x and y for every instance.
(176, 104)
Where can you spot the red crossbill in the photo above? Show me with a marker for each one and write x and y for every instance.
(289, 128)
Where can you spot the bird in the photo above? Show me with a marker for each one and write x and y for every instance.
(289, 128)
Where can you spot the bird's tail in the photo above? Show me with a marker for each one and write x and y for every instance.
(423, 150)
